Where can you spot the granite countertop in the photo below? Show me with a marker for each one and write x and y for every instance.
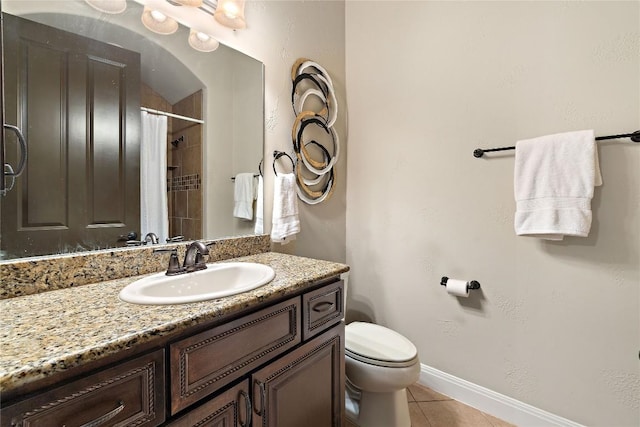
(47, 333)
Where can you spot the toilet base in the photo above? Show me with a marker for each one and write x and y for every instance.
(389, 409)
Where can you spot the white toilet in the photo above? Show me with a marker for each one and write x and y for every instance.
(379, 365)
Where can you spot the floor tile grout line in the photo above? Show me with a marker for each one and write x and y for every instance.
(423, 414)
(435, 400)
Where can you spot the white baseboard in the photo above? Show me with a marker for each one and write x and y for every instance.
(490, 402)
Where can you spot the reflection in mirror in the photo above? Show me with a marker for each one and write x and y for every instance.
(75, 82)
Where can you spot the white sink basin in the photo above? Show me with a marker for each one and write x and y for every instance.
(218, 280)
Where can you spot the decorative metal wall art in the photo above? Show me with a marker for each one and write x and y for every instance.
(314, 139)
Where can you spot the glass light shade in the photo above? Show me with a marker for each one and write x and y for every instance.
(230, 13)
(192, 3)
(108, 6)
(158, 22)
(202, 42)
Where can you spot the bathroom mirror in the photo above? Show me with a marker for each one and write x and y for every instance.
(223, 88)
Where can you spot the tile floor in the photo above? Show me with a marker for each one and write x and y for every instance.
(431, 409)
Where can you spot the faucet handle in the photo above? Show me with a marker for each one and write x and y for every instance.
(174, 263)
(175, 239)
(199, 263)
(132, 235)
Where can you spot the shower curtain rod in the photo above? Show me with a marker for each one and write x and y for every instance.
(175, 116)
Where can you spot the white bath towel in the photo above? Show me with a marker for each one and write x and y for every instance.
(243, 196)
(259, 226)
(285, 221)
(554, 179)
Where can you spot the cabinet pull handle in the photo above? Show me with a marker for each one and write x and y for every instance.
(322, 306)
(263, 394)
(247, 408)
(106, 417)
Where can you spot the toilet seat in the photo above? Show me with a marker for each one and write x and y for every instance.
(376, 345)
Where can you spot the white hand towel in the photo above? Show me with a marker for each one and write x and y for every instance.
(243, 196)
(285, 221)
(554, 180)
(259, 226)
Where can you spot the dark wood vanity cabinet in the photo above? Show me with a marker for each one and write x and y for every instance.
(206, 362)
(304, 386)
(279, 366)
(129, 394)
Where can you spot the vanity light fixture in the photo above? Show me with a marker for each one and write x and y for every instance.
(158, 22)
(230, 13)
(108, 6)
(202, 42)
(190, 3)
(165, 17)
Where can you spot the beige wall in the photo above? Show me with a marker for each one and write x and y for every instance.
(556, 325)
(278, 33)
(248, 103)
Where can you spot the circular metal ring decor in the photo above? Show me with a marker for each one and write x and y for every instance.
(316, 109)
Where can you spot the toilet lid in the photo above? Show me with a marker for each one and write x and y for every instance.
(378, 343)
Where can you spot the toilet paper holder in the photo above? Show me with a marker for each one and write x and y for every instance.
(473, 284)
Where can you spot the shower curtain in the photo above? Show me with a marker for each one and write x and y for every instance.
(154, 210)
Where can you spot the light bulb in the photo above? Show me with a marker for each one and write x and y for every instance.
(230, 10)
(158, 22)
(202, 42)
(158, 16)
(230, 13)
(202, 36)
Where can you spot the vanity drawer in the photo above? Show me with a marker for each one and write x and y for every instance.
(205, 362)
(322, 308)
(131, 393)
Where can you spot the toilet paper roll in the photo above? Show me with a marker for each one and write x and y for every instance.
(458, 288)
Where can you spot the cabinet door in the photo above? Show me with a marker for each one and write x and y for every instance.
(304, 387)
(204, 363)
(229, 409)
(129, 394)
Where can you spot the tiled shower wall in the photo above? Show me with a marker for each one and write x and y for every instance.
(184, 162)
(185, 190)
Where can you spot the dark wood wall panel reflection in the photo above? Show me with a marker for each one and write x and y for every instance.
(77, 101)
(43, 98)
(106, 159)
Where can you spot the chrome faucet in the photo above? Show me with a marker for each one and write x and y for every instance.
(194, 257)
(151, 237)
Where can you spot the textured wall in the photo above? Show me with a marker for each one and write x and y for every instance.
(278, 33)
(556, 325)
